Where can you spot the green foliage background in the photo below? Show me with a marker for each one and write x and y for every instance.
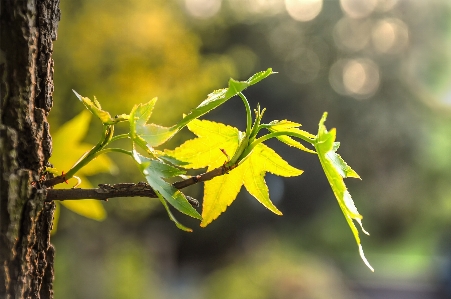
(395, 135)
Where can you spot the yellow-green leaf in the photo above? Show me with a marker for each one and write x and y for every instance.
(220, 192)
(336, 170)
(220, 96)
(153, 135)
(95, 108)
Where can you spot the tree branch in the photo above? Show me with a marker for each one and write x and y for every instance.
(106, 191)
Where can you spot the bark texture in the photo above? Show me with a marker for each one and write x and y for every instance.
(28, 29)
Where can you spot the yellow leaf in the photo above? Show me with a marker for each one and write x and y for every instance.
(89, 208)
(205, 151)
(220, 192)
(263, 159)
(67, 149)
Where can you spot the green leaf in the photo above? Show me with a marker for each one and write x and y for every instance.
(65, 153)
(95, 108)
(220, 192)
(155, 135)
(336, 170)
(171, 216)
(155, 171)
(220, 96)
(289, 126)
(254, 79)
(340, 165)
(152, 134)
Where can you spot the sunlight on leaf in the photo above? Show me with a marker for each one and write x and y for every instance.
(220, 192)
(152, 134)
(263, 159)
(206, 150)
(95, 108)
(336, 170)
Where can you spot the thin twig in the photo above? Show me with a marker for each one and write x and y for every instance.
(106, 191)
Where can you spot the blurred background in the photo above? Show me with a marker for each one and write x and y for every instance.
(381, 68)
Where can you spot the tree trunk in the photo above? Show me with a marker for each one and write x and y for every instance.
(28, 28)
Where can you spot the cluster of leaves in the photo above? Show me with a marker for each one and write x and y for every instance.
(242, 155)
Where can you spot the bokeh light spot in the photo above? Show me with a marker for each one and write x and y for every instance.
(358, 8)
(390, 36)
(361, 78)
(358, 78)
(203, 9)
(303, 10)
(354, 76)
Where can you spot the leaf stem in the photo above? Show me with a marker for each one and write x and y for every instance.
(121, 136)
(108, 131)
(248, 114)
(255, 142)
(257, 127)
(286, 133)
(114, 149)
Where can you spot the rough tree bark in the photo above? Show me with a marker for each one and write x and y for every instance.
(28, 29)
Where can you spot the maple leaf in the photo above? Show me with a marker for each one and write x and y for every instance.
(336, 170)
(148, 135)
(215, 139)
